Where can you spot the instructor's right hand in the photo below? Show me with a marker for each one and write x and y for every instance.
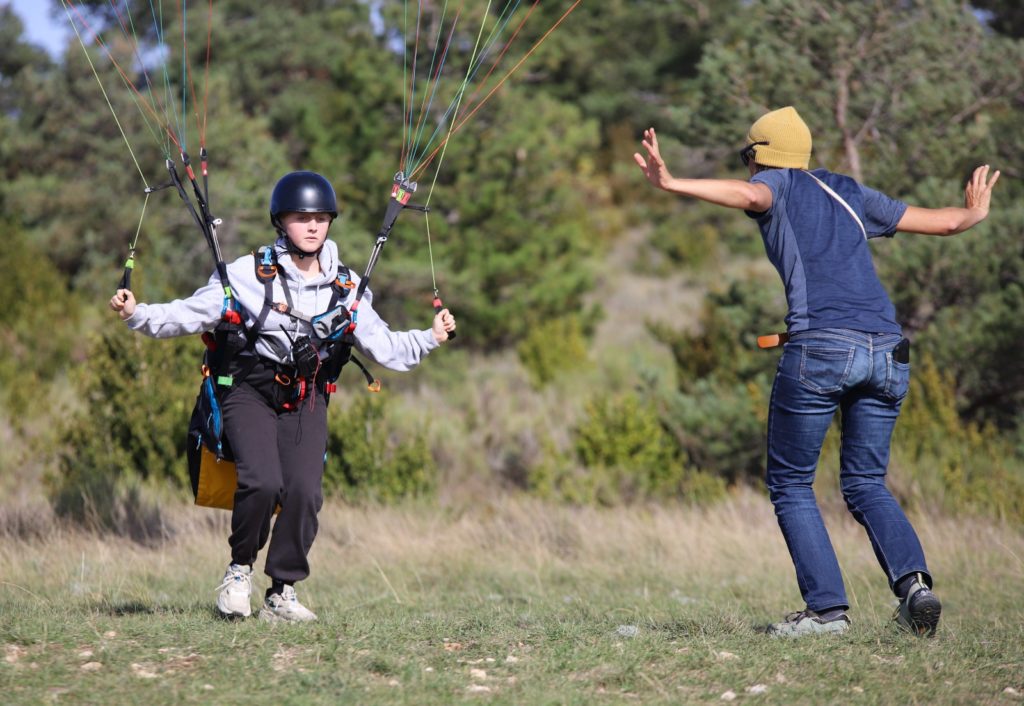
(123, 302)
(652, 165)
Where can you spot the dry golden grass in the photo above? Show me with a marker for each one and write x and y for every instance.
(512, 599)
(732, 543)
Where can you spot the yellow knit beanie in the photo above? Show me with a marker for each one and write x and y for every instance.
(788, 138)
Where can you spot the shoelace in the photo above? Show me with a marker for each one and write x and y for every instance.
(234, 576)
(798, 616)
(807, 613)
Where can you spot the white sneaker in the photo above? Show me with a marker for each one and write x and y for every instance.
(233, 599)
(285, 606)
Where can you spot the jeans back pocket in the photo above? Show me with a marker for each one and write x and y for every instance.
(825, 370)
(897, 378)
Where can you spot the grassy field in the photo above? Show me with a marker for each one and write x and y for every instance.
(506, 602)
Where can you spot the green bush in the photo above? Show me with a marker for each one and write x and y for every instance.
(553, 346)
(938, 459)
(684, 245)
(370, 458)
(520, 245)
(35, 299)
(698, 236)
(963, 297)
(720, 427)
(718, 413)
(129, 438)
(621, 454)
(725, 345)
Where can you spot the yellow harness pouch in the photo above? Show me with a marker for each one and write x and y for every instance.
(218, 481)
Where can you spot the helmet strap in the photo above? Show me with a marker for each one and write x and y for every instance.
(295, 251)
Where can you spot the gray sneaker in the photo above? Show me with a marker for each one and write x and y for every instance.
(807, 622)
(234, 591)
(919, 611)
(285, 606)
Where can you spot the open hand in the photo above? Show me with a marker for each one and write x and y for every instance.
(978, 192)
(123, 302)
(653, 166)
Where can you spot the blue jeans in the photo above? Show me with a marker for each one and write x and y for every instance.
(821, 371)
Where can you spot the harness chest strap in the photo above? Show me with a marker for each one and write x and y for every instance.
(267, 269)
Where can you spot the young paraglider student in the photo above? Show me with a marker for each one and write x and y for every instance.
(275, 410)
(845, 351)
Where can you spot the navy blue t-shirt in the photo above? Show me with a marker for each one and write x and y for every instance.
(821, 253)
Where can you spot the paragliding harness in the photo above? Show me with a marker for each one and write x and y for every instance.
(313, 368)
(230, 360)
(210, 458)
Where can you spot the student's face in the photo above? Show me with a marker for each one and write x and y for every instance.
(307, 231)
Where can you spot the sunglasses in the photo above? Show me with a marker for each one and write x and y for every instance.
(747, 153)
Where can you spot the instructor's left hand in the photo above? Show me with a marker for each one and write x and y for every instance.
(444, 323)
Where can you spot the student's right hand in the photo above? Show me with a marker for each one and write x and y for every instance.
(123, 302)
(653, 166)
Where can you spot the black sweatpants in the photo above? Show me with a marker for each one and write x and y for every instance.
(280, 460)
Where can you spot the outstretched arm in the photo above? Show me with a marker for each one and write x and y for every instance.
(398, 350)
(195, 314)
(953, 220)
(732, 193)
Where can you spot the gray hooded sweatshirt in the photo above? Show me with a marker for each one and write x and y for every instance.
(397, 350)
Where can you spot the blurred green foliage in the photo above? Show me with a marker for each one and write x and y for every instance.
(534, 203)
(717, 413)
(725, 346)
(38, 323)
(622, 453)
(941, 460)
(127, 443)
(554, 346)
(369, 457)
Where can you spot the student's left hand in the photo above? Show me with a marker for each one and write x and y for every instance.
(653, 166)
(444, 323)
